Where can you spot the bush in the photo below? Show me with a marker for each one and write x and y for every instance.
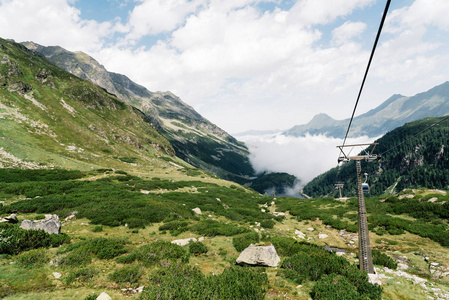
(213, 228)
(98, 228)
(335, 287)
(381, 259)
(267, 223)
(175, 227)
(14, 240)
(32, 258)
(197, 248)
(129, 274)
(242, 241)
(127, 259)
(161, 251)
(186, 282)
(102, 247)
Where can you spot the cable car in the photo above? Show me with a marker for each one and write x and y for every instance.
(365, 188)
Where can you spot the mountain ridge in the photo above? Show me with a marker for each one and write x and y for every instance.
(195, 139)
(392, 113)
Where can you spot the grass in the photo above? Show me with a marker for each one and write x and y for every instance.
(219, 231)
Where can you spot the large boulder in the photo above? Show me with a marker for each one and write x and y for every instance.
(259, 256)
(50, 224)
(9, 219)
(183, 242)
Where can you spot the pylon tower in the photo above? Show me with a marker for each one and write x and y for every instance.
(365, 256)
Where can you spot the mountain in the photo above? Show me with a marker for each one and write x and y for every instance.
(394, 112)
(195, 139)
(51, 118)
(413, 155)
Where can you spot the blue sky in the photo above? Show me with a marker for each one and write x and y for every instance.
(250, 64)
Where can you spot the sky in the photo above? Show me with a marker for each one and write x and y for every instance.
(251, 64)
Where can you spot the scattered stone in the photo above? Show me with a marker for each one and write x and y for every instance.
(201, 239)
(262, 210)
(310, 229)
(57, 275)
(300, 234)
(257, 224)
(322, 236)
(259, 256)
(183, 242)
(197, 210)
(10, 219)
(277, 214)
(104, 296)
(272, 203)
(402, 266)
(50, 224)
(71, 216)
(434, 199)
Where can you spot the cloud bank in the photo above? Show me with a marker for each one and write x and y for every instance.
(305, 157)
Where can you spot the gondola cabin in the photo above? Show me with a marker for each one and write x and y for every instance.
(365, 188)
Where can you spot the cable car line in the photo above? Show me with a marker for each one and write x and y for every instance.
(368, 66)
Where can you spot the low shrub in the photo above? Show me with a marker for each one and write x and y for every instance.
(267, 223)
(381, 259)
(175, 227)
(335, 287)
(197, 248)
(313, 263)
(127, 259)
(161, 251)
(33, 258)
(242, 241)
(14, 239)
(213, 228)
(129, 274)
(102, 247)
(97, 228)
(186, 282)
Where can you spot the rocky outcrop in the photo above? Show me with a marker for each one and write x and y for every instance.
(9, 219)
(50, 224)
(259, 256)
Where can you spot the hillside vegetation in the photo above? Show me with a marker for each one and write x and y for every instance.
(117, 230)
(410, 159)
(68, 147)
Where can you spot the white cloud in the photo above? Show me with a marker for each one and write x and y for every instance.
(243, 67)
(346, 32)
(152, 17)
(311, 12)
(51, 22)
(305, 157)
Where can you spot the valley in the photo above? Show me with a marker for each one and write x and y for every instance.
(115, 176)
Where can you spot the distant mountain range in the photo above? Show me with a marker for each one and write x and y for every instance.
(394, 112)
(195, 139)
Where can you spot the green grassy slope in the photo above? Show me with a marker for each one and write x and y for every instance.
(51, 118)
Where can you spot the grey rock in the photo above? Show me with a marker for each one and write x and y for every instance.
(10, 219)
(50, 224)
(104, 296)
(183, 242)
(259, 256)
(197, 210)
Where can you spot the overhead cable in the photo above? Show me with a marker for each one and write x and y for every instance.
(367, 68)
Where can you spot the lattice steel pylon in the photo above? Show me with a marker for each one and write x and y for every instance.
(365, 256)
